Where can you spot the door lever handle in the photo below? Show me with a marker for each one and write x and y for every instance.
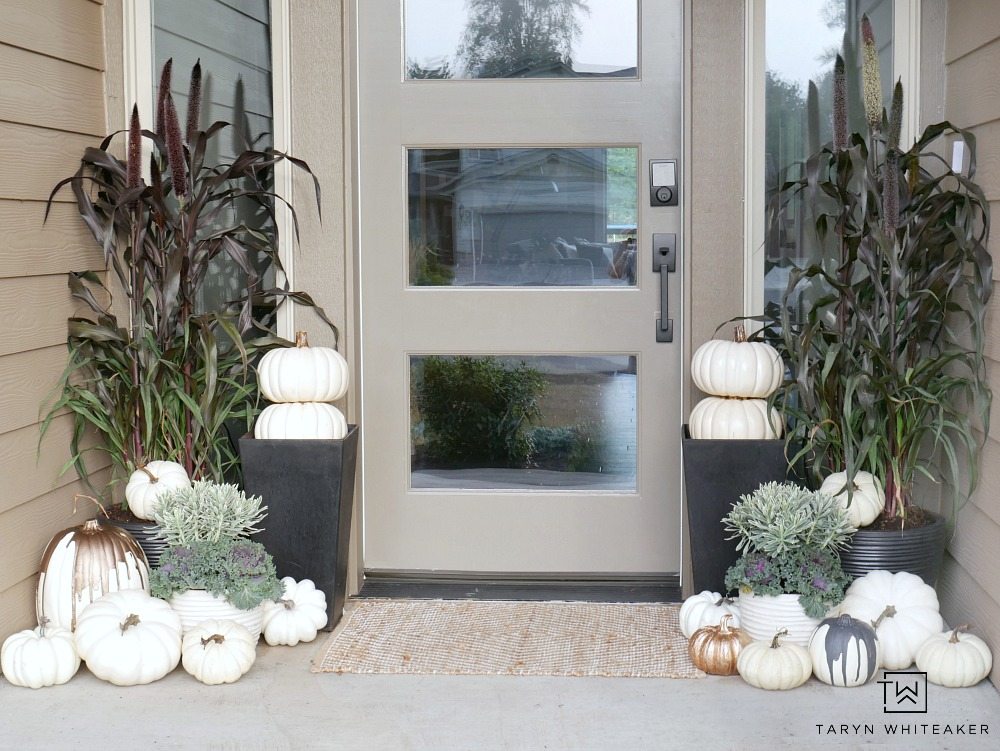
(664, 262)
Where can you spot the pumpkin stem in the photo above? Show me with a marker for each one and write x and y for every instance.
(217, 638)
(132, 620)
(889, 612)
(100, 505)
(740, 333)
(301, 339)
(289, 604)
(777, 637)
(42, 623)
(724, 600)
(724, 623)
(152, 478)
(958, 629)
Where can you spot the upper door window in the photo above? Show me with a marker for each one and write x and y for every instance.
(521, 38)
(802, 40)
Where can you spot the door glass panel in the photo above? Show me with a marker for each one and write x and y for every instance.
(522, 217)
(521, 38)
(555, 422)
(802, 39)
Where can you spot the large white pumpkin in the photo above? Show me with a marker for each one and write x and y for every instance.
(955, 659)
(747, 419)
(903, 609)
(844, 651)
(774, 666)
(217, 652)
(148, 483)
(303, 373)
(863, 502)
(750, 370)
(39, 657)
(305, 420)
(706, 609)
(297, 616)
(83, 563)
(129, 638)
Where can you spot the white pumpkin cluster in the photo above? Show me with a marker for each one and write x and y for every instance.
(886, 620)
(300, 381)
(739, 376)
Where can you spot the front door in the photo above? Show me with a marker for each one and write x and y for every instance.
(519, 415)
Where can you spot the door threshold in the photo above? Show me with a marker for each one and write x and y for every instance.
(433, 585)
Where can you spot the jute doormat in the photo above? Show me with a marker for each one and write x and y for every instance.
(509, 638)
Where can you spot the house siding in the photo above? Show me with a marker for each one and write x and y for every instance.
(52, 104)
(970, 586)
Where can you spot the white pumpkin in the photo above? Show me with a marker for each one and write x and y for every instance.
(955, 659)
(305, 420)
(39, 657)
(774, 666)
(303, 373)
(863, 502)
(83, 563)
(844, 651)
(706, 609)
(129, 638)
(748, 419)
(750, 370)
(217, 652)
(902, 608)
(149, 482)
(297, 616)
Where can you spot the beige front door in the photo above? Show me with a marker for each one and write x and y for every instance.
(519, 415)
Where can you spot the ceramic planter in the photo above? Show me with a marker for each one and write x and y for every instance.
(197, 605)
(143, 532)
(308, 488)
(918, 550)
(762, 616)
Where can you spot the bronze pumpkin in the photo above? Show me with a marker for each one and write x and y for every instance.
(715, 649)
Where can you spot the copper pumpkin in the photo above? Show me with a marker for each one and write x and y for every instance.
(715, 649)
(80, 564)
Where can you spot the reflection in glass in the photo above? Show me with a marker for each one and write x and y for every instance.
(803, 38)
(522, 217)
(533, 422)
(521, 38)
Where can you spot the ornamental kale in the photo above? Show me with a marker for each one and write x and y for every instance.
(239, 570)
(814, 574)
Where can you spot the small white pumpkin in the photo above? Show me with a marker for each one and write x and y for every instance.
(303, 373)
(39, 657)
(955, 659)
(297, 616)
(305, 420)
(706, 609)
(774, 666)
(902, 608)
(749, 370)
(746, 419)
(218, 652)
(129, 638)
(149, 482)
(844, 651)
(863, 502)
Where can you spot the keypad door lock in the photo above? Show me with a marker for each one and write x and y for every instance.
(663, 189)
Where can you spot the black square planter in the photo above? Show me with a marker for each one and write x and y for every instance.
(716, 474)
(308, 488)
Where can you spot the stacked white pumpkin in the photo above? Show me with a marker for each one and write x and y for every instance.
(301, 381)
(739, 376)
(886, 620)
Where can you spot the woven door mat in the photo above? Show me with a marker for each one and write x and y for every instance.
(434, 637)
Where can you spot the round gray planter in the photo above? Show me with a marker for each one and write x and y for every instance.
(142, 532)
(917, 550)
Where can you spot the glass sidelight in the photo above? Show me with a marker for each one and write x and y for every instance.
(552, 422)
(522, 217)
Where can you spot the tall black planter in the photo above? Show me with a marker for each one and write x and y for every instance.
(308, 488)
(716, 474)
(918, 550)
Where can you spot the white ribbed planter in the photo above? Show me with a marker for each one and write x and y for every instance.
(761, 616)
(197, 605)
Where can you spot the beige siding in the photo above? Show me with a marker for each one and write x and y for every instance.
(51, 107)
(970, 589)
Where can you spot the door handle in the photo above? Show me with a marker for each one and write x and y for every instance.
(664, 262)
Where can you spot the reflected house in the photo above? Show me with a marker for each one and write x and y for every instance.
(514, 216)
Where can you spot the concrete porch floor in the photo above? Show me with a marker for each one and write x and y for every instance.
(280, 705)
